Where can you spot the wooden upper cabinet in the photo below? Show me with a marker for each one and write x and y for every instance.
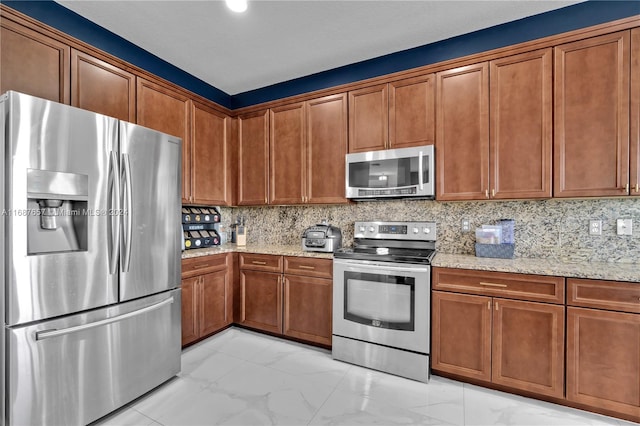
(326, 149)
(166, 110)
(33, 63)
(253, 161)
(591, 152)
(102, 87)
(287, 154)
(368, 119)
(210, 130)
(411, 112)
(462, 133)
(635, 113)
(520, 143)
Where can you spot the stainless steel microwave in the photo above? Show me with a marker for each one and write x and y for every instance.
(391, 173)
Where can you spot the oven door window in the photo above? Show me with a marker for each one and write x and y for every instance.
(383, 301)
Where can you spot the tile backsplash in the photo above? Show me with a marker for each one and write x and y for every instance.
(555, 229)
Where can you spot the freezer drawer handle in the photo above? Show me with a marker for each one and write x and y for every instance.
(41, 335)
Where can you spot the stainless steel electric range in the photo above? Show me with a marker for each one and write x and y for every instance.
(381, 298)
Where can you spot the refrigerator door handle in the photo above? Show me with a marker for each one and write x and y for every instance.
(127, 213)
(46, 334)
(114, 221)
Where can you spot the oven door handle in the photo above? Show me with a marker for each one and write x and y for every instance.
(379, 267)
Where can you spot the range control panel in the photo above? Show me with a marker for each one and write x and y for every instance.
(420, 231)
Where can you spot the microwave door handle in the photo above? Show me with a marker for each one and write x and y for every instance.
(420, 170)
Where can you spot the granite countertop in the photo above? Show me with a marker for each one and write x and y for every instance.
(278, 250)
(593, 270)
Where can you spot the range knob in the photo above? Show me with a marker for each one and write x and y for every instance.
(416, 230)
(361, 229)
(372, 229)
(426, 230)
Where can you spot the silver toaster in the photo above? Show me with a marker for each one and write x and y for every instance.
(322, 237)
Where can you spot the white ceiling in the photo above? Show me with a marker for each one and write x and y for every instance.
(276, 41)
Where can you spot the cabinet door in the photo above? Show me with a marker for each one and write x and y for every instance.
(208, 156)
(528, 346)
(462, 133)
(190, 331)
(101, 87)
(592, 117)
(368, 119)
(308, 308)
(461, 341)
(603, 360)
(521, 125)
(635, 112)
(286, 154)
(167, 111)
(411, 112)
(261, 300)
(326, 149)
(213, 306)
(32, 63)
(253, 164)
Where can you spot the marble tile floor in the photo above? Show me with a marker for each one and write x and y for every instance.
(239, 377)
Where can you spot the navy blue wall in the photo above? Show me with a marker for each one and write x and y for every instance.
(554, 22)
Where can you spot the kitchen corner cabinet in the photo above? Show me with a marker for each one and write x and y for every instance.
(167, 110)
(208, 172)
(308, 139)
(206, 296)
(399, 114)
(603, 345)
(592, 116)
(287, 295)
(507, 329)
(31, 62)
(253, 158)
(494, 129)
(102, 87)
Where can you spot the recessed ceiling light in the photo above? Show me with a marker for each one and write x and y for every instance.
(237, 5)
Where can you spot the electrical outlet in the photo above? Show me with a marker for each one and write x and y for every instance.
(595, 227)
(466, 225)
(625, 227)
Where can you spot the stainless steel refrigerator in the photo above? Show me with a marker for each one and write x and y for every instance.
(90, 227)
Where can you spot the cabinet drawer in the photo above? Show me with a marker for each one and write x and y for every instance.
(202, 265)
(308, 266)
(538, 288)
(260, 262)
(611, 295)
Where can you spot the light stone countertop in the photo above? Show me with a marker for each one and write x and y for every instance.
(629, 272)
(278, 250)
(592, 270)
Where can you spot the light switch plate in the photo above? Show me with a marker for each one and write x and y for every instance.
(625, 227)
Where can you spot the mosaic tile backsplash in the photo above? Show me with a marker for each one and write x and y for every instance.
(553, 229)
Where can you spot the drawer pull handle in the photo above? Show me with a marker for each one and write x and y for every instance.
(258, 262)
(493, 284)
(306, 267)
(202, 266)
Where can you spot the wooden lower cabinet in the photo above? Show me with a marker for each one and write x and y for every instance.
(461, 335)
(261, 304)
(507, 342)
(307, 308)
(292, 296)
(206, 297)
(603, 360)
(603, 346)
